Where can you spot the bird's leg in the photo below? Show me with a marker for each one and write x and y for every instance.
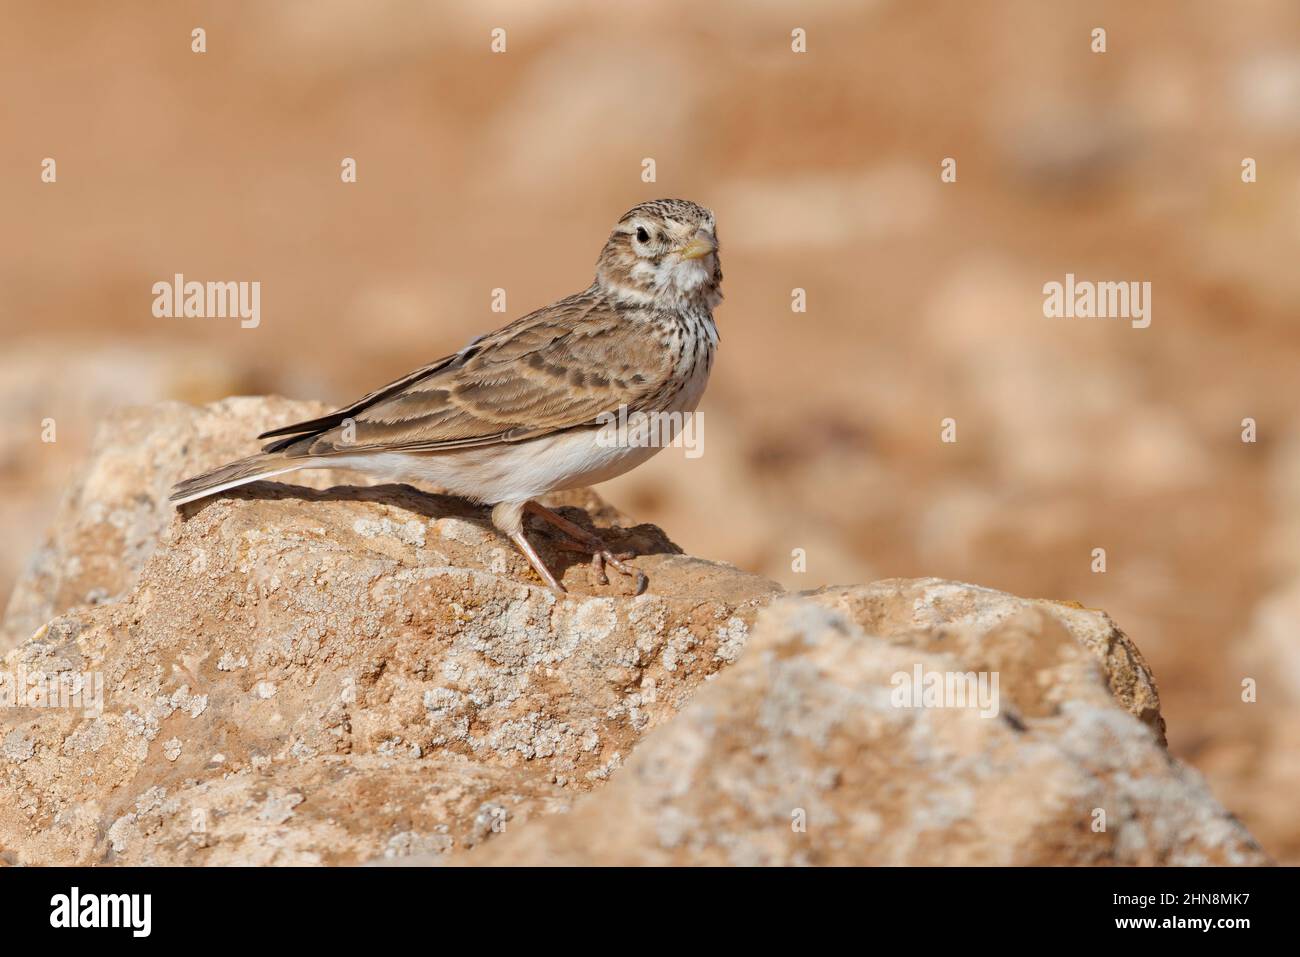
(587, 542)
(509, 519)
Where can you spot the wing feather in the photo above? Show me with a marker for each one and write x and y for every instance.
(556, 369)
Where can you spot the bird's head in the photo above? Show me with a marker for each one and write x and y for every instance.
(663, 254)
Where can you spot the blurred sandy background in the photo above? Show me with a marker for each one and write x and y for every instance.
(822, 429)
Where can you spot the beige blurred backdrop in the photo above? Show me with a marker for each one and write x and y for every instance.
(924, 300)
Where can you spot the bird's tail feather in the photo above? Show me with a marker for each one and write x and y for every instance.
(232, 474)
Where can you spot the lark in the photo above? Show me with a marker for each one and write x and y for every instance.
(518, 412)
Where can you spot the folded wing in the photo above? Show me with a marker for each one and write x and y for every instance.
(556, 369)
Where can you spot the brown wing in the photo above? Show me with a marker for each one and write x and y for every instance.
(555, 369)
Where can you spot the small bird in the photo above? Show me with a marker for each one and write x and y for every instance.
(524, 410)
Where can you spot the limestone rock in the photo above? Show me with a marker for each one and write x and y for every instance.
(801, 754)
(302, 676)
(1028, 641)
(303, 673)
(55, 391)
(116, 509)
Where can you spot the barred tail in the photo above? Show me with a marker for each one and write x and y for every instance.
(233, 474)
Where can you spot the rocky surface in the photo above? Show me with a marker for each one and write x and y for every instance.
(799, 753)
(294, 675)
(298, 674)
(116, 510)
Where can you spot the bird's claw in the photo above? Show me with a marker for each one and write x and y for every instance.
(604, 556)
(601, 557)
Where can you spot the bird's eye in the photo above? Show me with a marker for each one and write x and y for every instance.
(642, 235)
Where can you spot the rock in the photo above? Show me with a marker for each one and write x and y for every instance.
(54, 394)
(115, 513)
(303, 674)
(307, 676)
(1022, 639)
(800, 754)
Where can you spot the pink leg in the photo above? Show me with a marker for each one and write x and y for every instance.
(508, 518)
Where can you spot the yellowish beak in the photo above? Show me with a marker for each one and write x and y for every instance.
(697, 248)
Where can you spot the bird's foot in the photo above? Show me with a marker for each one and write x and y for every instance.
(584, 541)
(601, 557)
